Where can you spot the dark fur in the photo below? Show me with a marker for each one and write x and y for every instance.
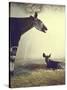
(53, 64)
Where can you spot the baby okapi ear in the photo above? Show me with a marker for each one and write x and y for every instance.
(44, 55)
(49, 55)
(35, 15)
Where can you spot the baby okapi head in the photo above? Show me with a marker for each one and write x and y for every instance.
(46, 57)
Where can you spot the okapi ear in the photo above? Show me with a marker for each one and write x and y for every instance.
(35, 15)
(49, 55)
(44, 55)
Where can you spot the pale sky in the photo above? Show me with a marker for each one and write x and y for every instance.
(33, 43)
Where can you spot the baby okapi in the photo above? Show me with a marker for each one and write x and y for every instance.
(52, 64)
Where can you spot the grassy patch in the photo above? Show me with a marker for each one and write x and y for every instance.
(39, 77)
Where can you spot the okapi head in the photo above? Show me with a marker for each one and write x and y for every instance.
(46, 57)
(38, 24)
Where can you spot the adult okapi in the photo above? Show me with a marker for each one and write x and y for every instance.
(17, 27)
(52, 64)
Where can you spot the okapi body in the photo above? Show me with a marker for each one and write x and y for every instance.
(52, 64)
